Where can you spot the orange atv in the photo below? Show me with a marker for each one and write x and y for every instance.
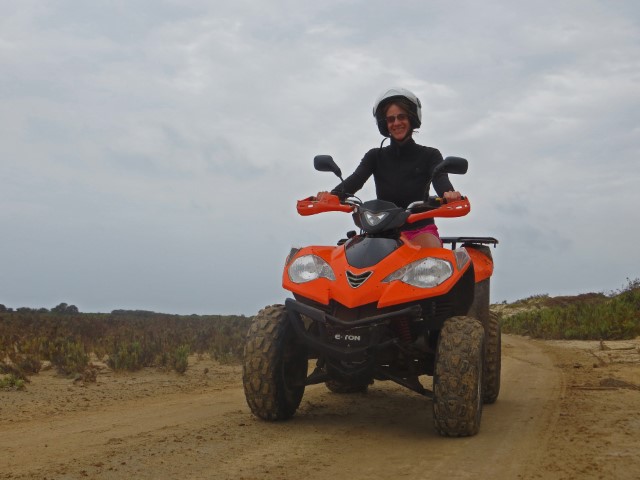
(377, 307)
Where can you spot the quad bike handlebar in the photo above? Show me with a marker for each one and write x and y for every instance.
(328, 202)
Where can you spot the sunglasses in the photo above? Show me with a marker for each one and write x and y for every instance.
(401, 117)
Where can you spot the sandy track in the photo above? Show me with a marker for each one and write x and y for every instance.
(198, 426)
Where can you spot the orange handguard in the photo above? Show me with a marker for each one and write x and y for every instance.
(459, 208)
(324, 202)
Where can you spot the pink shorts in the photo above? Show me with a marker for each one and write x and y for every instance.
(432, 229)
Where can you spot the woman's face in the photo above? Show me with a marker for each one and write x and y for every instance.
(398, 122)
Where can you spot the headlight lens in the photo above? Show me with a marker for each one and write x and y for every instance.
(424, 273)
(309, 267)
(374, 219)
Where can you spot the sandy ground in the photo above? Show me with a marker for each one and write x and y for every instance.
(567, 410)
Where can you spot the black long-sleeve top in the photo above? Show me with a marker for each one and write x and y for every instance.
(401, 174)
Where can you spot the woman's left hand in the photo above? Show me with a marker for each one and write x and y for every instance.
(452, 196)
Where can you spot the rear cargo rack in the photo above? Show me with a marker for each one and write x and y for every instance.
(469, 240)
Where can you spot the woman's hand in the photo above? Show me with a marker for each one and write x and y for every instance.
(452, 196)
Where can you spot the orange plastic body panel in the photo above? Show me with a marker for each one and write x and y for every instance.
(324, 202)
(372, 290)
(482, 265)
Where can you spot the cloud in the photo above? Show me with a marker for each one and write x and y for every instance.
(152, 152)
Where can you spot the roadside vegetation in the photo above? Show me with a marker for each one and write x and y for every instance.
(126, 340)
(591, 316)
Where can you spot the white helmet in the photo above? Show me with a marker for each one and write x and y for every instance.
(407, 99)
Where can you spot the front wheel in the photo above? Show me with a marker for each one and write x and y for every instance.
(275, 366)
(457, 380)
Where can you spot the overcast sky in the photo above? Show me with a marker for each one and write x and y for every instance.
(152, 151)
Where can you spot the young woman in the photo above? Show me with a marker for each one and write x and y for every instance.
(402, 169)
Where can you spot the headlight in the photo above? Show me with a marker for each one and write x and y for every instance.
(309, 267)
(424, 273)
(374, 219)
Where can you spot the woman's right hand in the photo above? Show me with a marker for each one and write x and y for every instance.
(452, 196)
(340, 194)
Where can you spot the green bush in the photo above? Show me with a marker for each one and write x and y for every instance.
(181, 359)
(126, 356)
(29, 364)
(68, 356)
(7, 368)
(131, 339)
(616, 317)
(11, 382)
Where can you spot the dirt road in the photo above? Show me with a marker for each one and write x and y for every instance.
(566, 410)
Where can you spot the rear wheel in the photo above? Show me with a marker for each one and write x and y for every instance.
(275, 366)
(457, 380)
(492, 359)
(481, 303)
(480, 309)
